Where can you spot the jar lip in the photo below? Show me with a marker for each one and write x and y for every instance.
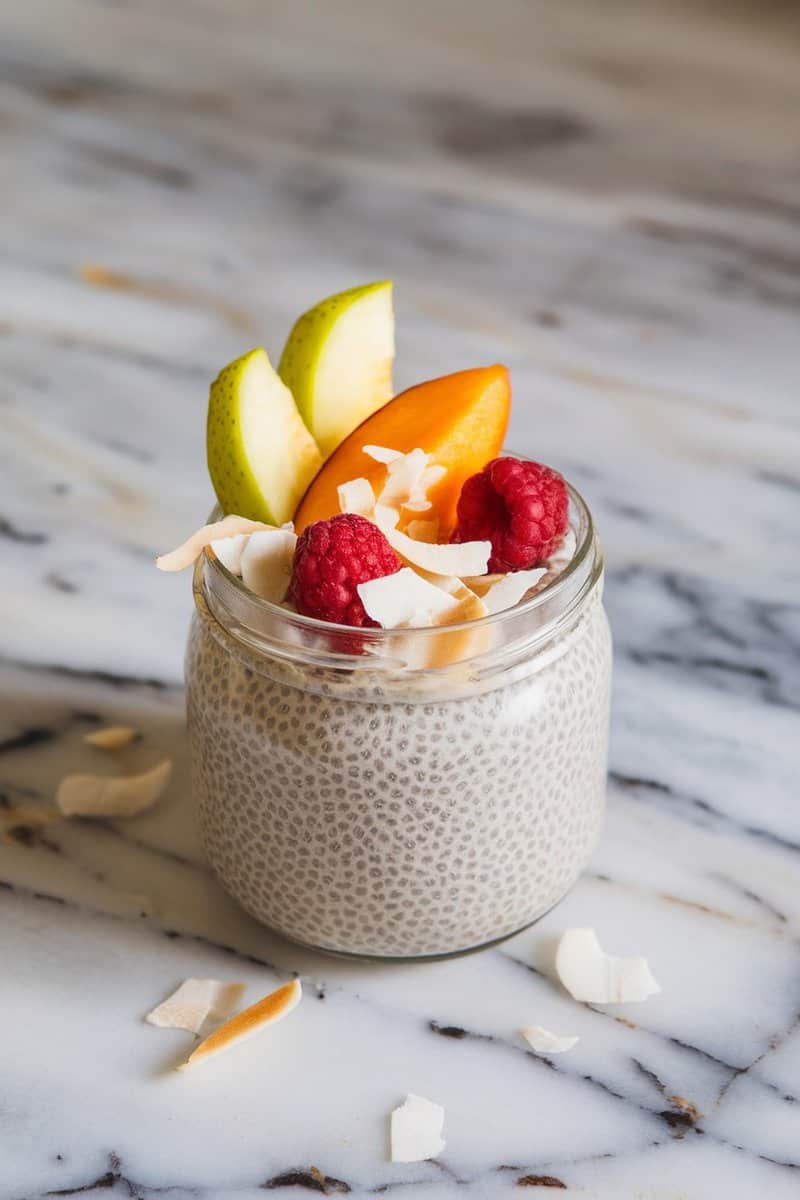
(585, 542)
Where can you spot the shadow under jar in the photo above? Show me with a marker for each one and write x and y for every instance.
(401, 794)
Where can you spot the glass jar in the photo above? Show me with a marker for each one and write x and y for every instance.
(408, 793)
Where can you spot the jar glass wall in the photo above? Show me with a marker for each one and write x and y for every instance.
(401, 794)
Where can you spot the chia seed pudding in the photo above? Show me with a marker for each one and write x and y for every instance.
(362, 806)
(398, 670)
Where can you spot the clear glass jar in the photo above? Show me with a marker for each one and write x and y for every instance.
(401, 794)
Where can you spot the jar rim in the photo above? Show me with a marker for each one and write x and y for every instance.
(585, 538)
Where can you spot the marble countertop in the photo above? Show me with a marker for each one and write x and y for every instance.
(608, 203)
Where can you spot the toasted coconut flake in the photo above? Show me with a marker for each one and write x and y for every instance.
(358, 497)
(544, 1042)
(114, 737)
(185, 554)
(510, 589)
(591, 975)
(245, 1024)
(404, 600)
(382, 454)
(469, 608)
(465, 558)
(229, 551)
(416, 1130)
(480, 584)
(267, 563)
(194, 1003)
(423, 531)
(112, 795)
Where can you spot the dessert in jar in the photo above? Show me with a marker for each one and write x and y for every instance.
(398, 669)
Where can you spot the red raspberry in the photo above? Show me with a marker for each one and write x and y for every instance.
(331, 558)
(520, 507)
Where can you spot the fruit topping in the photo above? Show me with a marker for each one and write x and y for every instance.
(459, 421)
(332, 558)
(261, 457)
(521, 507)
(338, 359)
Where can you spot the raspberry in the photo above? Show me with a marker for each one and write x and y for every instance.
(331, 558)
(520, 507)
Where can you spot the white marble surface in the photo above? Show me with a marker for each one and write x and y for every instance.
(609, 204)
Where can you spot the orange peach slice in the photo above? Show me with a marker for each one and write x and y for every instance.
(459, 420)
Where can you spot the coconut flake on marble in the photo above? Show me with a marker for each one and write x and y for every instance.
(112, 795)
(185, 554)
(267, 563)
(113, 737)
(246, 1024)
(403, 599)
(416, 1130)
(592, 976)
(357, 496)
(194, 1003)
(544, 1042)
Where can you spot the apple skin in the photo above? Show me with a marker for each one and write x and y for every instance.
(261, 457)
(337, 361)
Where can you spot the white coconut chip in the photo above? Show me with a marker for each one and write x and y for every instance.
(591, 975)
(416, 1130)
(405, 600)
(423, 531)
(544, 1042)
(194, 1003)
(382, 454)
(357, 496)
(418, 496)
(510, 589)
(403, 479)
(114, 737)
(185, 554)
(229, 551)
(464, 558)
(267, 563)
(245, 1024)
(112, 795)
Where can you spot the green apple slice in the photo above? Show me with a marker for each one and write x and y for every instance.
(261, 457)
(338, 359)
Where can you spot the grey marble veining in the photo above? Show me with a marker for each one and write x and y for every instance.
(606, 201)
